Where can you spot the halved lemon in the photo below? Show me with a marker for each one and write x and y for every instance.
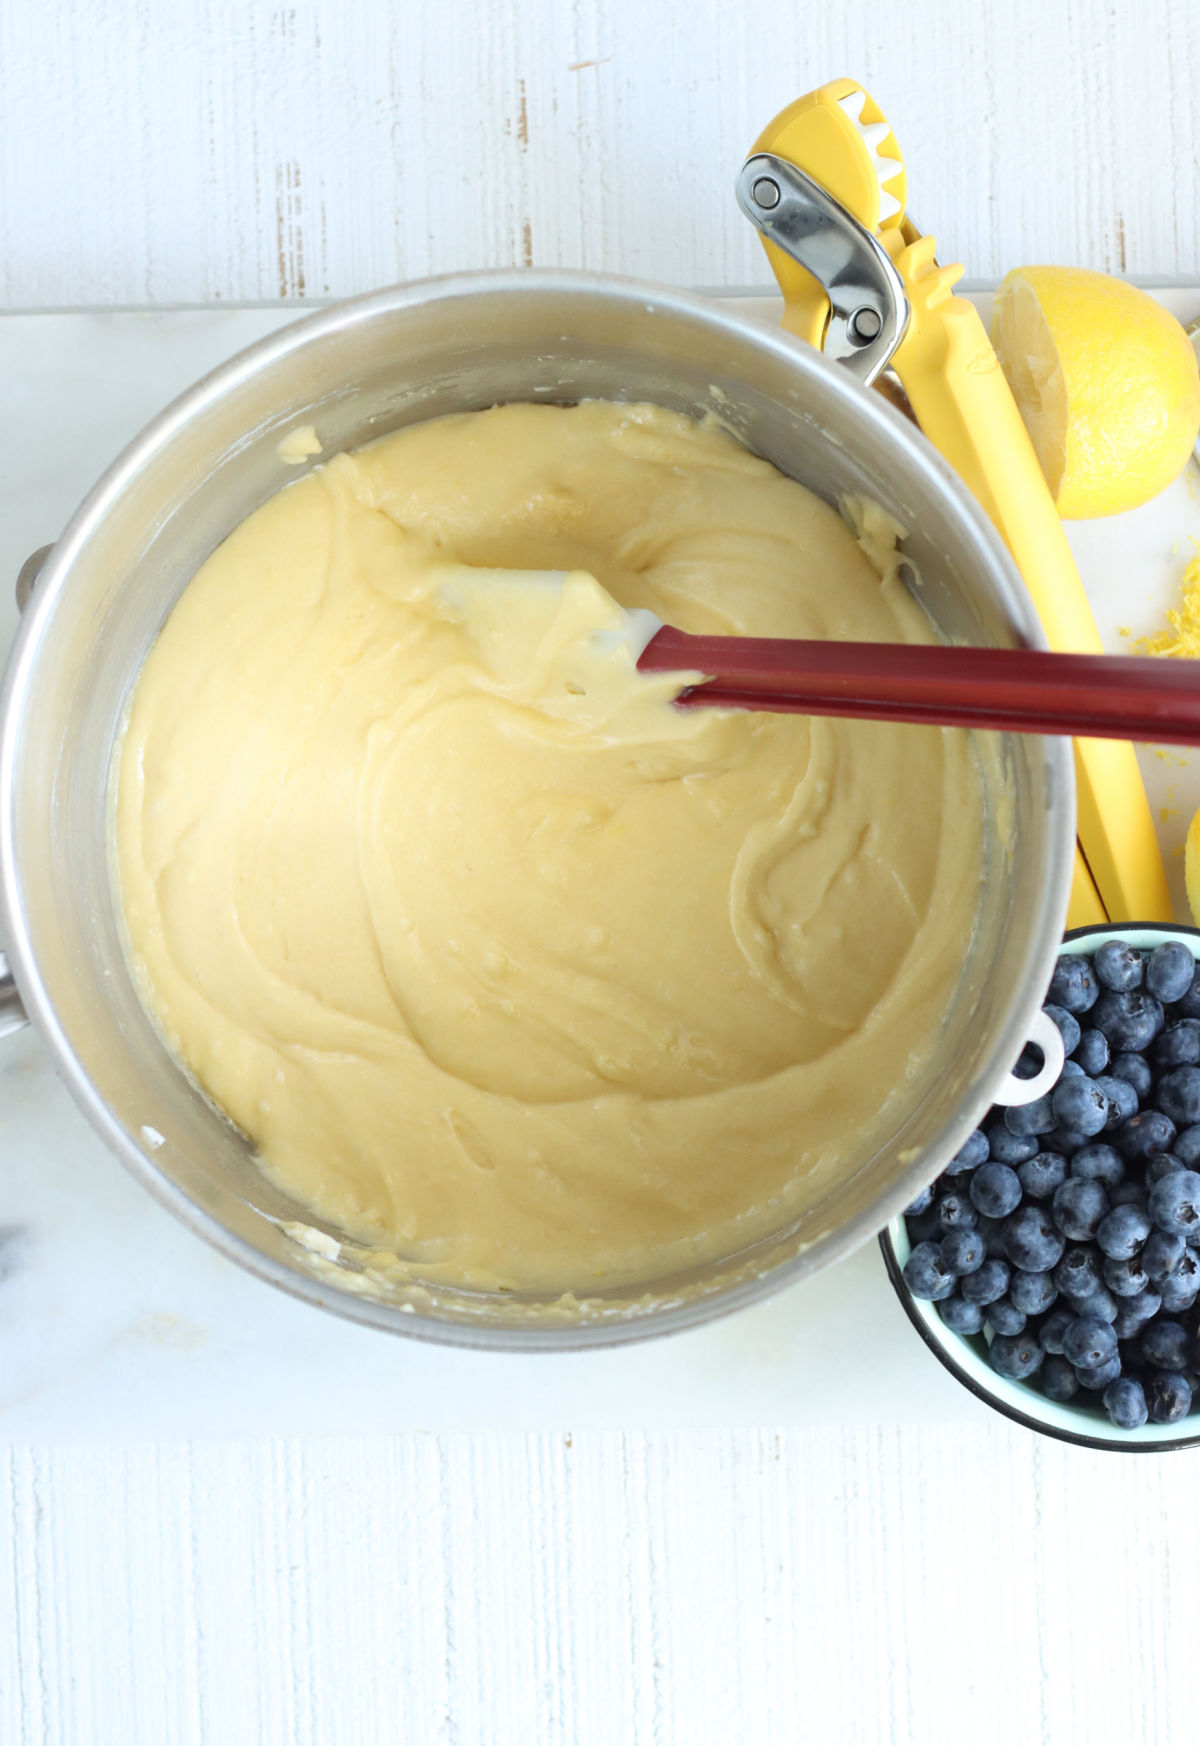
(1107, 383)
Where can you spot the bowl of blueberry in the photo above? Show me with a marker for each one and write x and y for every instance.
(1054, 1266)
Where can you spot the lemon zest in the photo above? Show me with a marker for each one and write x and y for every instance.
(1182, 638)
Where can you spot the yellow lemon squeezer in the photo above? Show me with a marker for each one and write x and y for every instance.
(826, 189)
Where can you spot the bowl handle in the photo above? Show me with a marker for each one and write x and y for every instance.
(12, 1014)
(27, 575)
(1045, 1035)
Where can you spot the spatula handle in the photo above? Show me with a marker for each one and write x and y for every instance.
(1022, 690)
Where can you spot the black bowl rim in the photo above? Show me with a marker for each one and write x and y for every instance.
(1160, 1445)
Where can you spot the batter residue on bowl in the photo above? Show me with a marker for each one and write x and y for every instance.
(504, 963)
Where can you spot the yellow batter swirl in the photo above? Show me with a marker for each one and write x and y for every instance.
(503, 962)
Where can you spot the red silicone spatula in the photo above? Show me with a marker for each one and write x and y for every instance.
(1121, 697)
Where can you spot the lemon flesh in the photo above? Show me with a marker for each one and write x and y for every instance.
(1107, 383)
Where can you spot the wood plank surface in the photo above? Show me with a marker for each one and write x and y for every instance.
(236, 150)
(848, 1586)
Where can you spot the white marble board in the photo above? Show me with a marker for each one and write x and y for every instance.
(118, 1324)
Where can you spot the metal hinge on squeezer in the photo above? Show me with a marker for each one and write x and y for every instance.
(825, 187)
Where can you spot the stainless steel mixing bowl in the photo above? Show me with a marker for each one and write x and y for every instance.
(357, 371)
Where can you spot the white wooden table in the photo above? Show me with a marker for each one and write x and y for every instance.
(224, 1518)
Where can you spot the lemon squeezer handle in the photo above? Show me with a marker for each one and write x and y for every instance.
(964, 405)
(862, 308)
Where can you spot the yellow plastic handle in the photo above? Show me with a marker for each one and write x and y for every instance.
(965, 407)
(1085, 909)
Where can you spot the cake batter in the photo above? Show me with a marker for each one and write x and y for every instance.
(505, 964)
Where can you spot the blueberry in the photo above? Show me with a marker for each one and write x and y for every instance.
(961, 1251)
(1071, 1068)
(1135, 1312)
(1059, 1381)
(1125, 1403)
(922, 1204)
(1178, 1295)
(1179, 1092)
(1089, 1341)
(1037, 1117)
(1066, 1140)
(1135, 1071)
(1163, 1252)
(1162, 1164)
(995, 1190)
(923, 1274)
(1128, 1193)
(1079, 1103)
(1145, 1134)
(1186, 1146)
(1009, 1148)
(972, 1153)
(1170, 972)
(1050, 1334)
(1188, 1004)
(925, 1227)
(1125, 1278)
(960, 1315)
(993, 1237)
(1033, 1293)
(1067, 1024)
(956, 1212)
(1178, 1045)
(1078, 1273)
(1129, 1021)
(987, 1283)
(1118, 966)
(1187, 1268)
(1098, 1376)
(1122, 1098)
(1100, 1303)
(1165, 1344)
(1029, 1062)
(1073, 984)
(1040, 1176)
(1098, 1163)
(1122, 1232)
(1032, 1241)
(1181, 1286)
(1091, 1052)
(1005, 1317)
(1079, 1205)
(1168, 1397)
(1015, 1356)
(1175, 1202)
